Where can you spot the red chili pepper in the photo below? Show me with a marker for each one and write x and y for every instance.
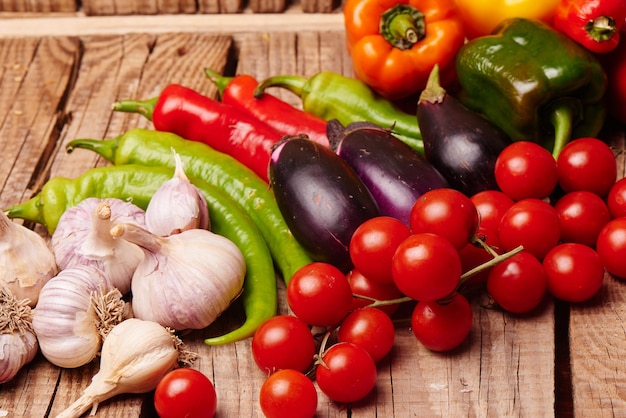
(238, 91)
(595, 24)
(197, 117)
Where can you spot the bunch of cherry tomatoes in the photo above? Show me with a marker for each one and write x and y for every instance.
(554, 227)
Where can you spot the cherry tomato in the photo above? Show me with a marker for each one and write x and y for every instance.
(474, 256)
(447, 213)
(575, 272)
(524, 170)
(587, 164)
(288, 393)
(347, 373)
(518, 284)
(581, 215)
(611, 247)
(363, 286)
(283, 342)
(373, 244)
(491, 206)
(369, 328)
(442, 326)
(616, 200)
(426, 267)
(319, 285)
(185, 392)
(532, 223)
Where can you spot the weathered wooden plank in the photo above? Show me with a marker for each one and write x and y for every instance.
(34, 84)
(319, 6)
(220, 6)
(139, 7)
(39, 6)
(268, 6)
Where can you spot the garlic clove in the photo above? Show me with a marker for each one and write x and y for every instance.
(76, 309)
(186, 280)
(26, 260)
(135, 357)
(177, 205)
(18, 343)
(82, 237)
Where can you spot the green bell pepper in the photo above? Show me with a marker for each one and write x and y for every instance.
(534, 83)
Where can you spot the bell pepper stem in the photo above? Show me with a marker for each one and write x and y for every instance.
(402, 26)
(562, 118)
(143, 107)
(106, 149)
(602, 28)
(293, 83)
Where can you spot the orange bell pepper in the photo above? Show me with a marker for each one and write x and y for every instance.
(394, 44)
(480, 17)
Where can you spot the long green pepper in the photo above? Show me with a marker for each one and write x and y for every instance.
(138, 184)
(154, 148)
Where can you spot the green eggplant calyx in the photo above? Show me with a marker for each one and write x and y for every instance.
(433, 92)
(602, 28)
(403, 26)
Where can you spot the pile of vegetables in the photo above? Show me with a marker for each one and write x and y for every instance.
(357, 203)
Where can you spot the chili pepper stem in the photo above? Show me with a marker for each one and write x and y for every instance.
(562, 118)
(293, 83)
(29, 210)
(219, 80)
(143, 107)
(106, 149)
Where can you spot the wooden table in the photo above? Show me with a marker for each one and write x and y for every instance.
(54, 87)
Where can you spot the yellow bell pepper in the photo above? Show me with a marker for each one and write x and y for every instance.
(480, 17)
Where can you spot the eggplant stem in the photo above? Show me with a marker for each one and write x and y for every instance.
(433, 93)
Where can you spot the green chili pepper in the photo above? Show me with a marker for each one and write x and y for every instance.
(154, 148)
(138, 183)
(333, 96)
(534, 83)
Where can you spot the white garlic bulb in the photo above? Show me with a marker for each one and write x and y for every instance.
(82, 237)
(186, 280)
(18, 343)
(26, 260)
(177, 205)
(135, 356)
(76, 309)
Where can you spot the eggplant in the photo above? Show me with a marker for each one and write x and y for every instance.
(395, 174)
(321, 198)
(461, 144)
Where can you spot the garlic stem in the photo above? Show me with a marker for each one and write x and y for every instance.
(135, 356)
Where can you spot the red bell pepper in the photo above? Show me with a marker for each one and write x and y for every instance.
(238, 91)
(595, 24)
(197, 117)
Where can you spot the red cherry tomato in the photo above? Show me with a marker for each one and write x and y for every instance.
(373, 244)
(185, 392)
(347, 373)
(363, 286)
(491, 206)
(532, 223)
(283, 342)
(369, 328)
(426, 267)
(318, 285)
(447, 213)
(518, 284)
(587, 164)
(575, 272)
(442, 326)
(581, 215)
(288, 393)
(616, 200)
(611, 247)
(474, 256)
(526, 170)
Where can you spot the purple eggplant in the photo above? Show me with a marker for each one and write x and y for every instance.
(321, 198)
(394, 173)
(461, 144)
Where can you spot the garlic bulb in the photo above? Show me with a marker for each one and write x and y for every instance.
(82, 237)
(186, 280)
(18, 343)
(135, 356)
(26, 260)
(177, 205)
(76, 309)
